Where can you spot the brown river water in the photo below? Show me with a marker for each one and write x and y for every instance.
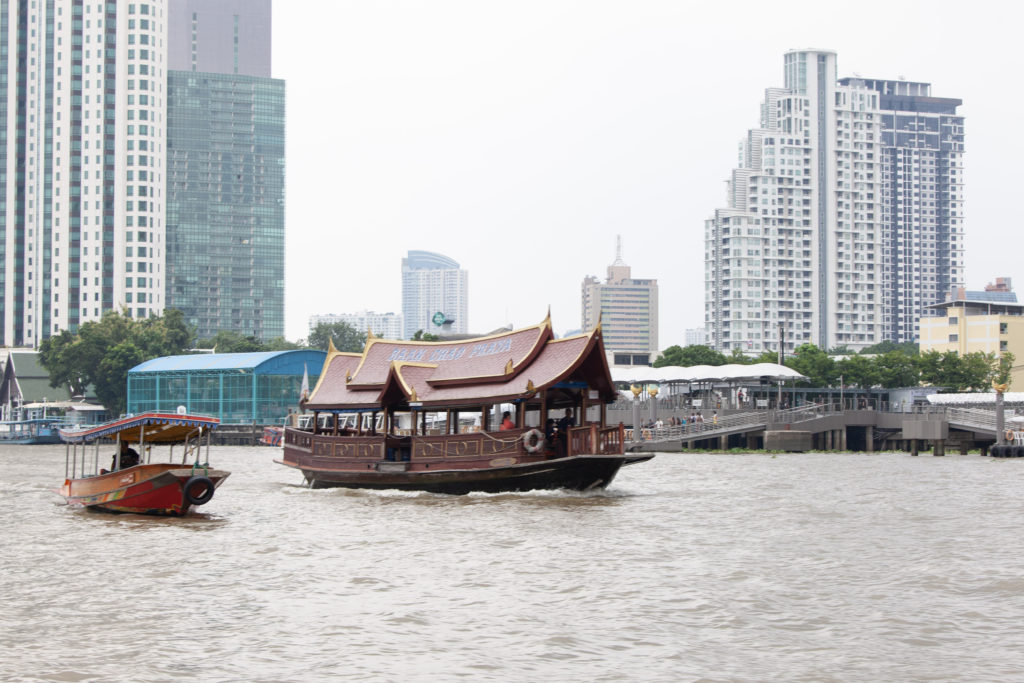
(691, 567)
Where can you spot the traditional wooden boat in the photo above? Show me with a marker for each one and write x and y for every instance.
(145, 487)
(424, 416)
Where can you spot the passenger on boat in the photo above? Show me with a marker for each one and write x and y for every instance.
(506, 422)
(550, 432)
(129, 458)
(562, 442)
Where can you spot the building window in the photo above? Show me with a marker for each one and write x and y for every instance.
(954, 337)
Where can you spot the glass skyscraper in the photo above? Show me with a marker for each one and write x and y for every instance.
(225, 169)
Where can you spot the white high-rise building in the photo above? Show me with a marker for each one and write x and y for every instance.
(435, 294)
(803, 251)
(383, 325)
(82, 131)
(923, 202)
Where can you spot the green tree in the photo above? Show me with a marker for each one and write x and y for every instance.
(809, 360)
(103, 351)
(766, 357)
(1004, 369)
(282, 344)
(344, 336)
(425, 336)
(737, 357)
(897, 369)
(908, 348)
(689, 356)
(858, 371)
(929, 365)
(978, 371)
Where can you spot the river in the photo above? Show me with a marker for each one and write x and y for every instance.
(691, 567)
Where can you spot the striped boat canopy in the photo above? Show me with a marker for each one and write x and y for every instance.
(146, 427)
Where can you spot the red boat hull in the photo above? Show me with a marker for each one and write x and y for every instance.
(154, 489)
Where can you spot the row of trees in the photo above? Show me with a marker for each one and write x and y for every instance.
(886, 365)
(101, 353)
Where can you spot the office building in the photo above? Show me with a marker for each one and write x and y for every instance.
(627, 309)
(989, 321)
(383, 325)
(435, 295)
(225, 169)
(824, 213)
(82, 159)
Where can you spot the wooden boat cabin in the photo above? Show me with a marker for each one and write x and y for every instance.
(409, 407)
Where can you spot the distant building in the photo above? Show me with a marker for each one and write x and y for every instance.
(384, 325)
(225, 169)
(844, 218)
(990, 321)
(25, 392)
(435, 295)
(238, 388)
(627, 309)
(697, 336)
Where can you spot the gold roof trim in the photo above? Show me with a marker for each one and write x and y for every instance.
(398, 365)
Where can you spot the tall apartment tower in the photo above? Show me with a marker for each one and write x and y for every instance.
(82, 156)
(923, 202)
(627, 309)
(225, 169)
(431, 284)
(807, 249)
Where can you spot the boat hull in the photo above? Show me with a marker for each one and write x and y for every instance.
(577, 473)
(153, 489)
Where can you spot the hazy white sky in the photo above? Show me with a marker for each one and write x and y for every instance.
(520, 138)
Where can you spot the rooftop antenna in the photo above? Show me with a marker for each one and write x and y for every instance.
(618, 251)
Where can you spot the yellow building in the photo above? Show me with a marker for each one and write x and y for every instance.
(990, 322)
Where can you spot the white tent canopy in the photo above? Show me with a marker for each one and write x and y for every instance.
(987, 398)
(642, 374)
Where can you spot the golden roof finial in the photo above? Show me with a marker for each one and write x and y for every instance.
(529, 386)
(508, 367)
(330, 346)
(369, 334)
(412, 394)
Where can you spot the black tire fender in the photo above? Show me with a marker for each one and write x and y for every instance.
(205, 494)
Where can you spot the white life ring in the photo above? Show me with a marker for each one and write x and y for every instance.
(533, 441)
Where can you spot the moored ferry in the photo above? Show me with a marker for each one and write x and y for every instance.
(514, 411)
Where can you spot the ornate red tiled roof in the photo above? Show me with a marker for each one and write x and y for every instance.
(485, 357)
(538, 361)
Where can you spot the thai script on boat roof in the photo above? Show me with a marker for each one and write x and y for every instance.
(429, 355)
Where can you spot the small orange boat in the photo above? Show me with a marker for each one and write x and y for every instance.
(137, 484)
